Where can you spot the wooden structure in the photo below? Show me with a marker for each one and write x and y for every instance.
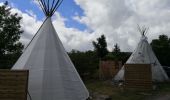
(13, 84)
(109, 68)
(138, 76)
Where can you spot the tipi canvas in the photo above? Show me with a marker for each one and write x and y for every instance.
(52, 76)
(144, 55)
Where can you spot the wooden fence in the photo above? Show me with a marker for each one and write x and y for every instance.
(13, 84)
(108, 69)
(138, 76)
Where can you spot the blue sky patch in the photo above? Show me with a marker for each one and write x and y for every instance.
(67, 9)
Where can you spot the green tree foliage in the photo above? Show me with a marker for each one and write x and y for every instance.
(86, 63)
(116, 48)
(124, 56)
(116, 52)
(117, 55)
(10, 31)
(161, 48)
(101, 46)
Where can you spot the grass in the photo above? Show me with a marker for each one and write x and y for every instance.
(97, 87)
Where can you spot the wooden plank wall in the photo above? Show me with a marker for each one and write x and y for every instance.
(13, 84)
(138, 76)
(108, 69)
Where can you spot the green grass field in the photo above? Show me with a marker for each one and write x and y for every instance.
(98, 88)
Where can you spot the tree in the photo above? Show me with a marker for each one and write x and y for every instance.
(86, 62)
(161, 47)
(10, 31)
(101, 46)
(116, 48)
(116, 52)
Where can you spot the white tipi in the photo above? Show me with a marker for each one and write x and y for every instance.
(144, 55)
(52, 76)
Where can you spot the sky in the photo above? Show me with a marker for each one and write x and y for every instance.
(79, 22)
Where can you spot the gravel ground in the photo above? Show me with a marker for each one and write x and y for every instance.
(160, 97)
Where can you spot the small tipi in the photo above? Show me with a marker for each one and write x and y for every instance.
(144, 55)
(52, 76)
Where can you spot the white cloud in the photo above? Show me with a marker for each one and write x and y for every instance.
(118, 19)
(29, 24)
(72, 38)
(31, 13)
(1, 3)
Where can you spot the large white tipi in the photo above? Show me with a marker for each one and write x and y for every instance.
(144, 55)
(52, 76)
